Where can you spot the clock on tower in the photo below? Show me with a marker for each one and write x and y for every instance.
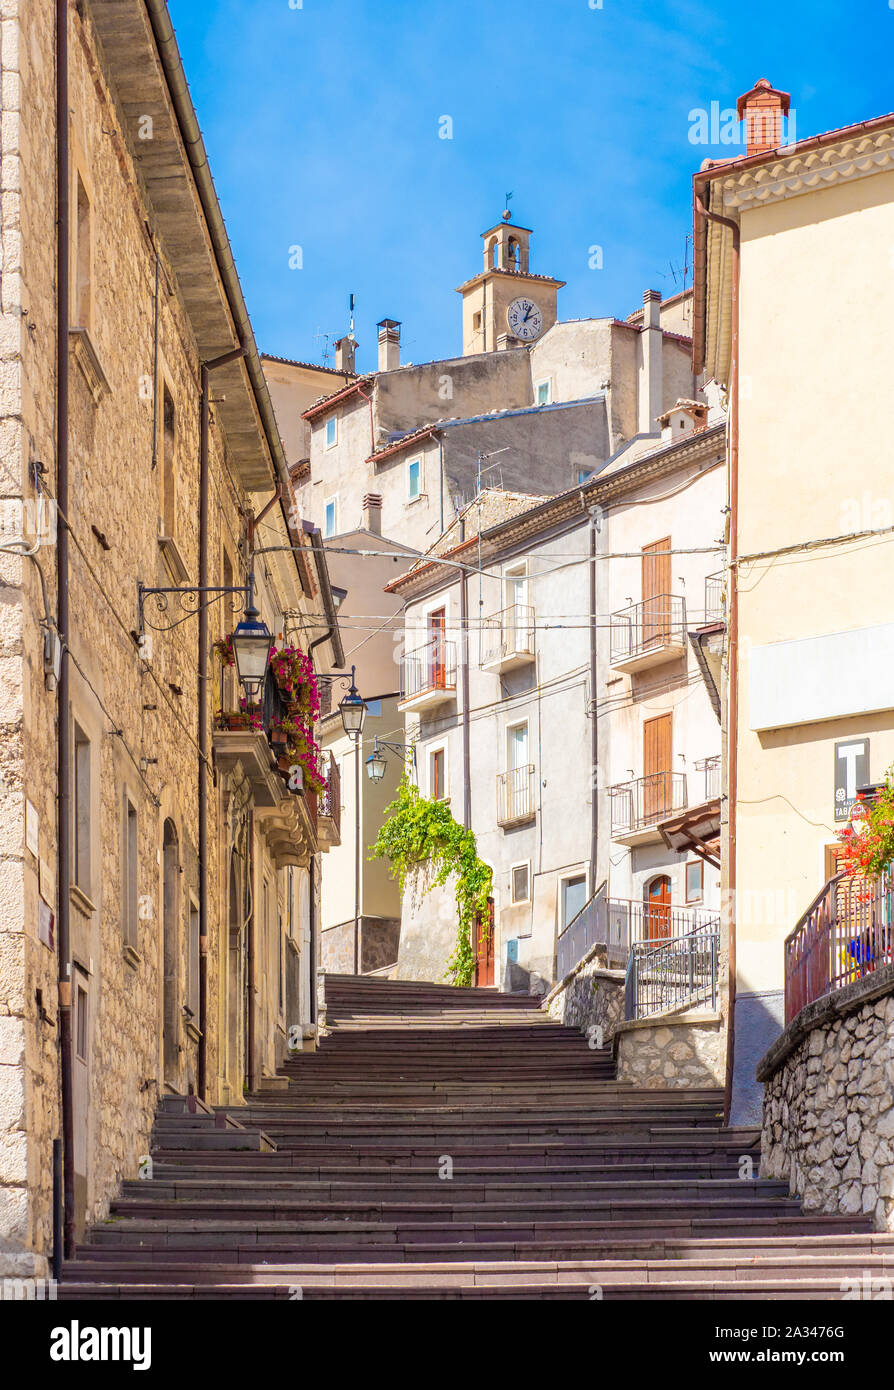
(506, 305)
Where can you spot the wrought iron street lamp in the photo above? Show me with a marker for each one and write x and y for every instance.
(352, 708)
(251, 648)
(377, 763)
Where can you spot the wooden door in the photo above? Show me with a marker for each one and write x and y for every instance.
(658, 909)
(437, 627)
(656, 592)
(657, 764)
(484, 947)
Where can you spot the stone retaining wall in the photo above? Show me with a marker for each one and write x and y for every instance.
(590, 996)
(683, 1050)
(828, 1124)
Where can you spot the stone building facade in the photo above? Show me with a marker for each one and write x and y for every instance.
(157, 952)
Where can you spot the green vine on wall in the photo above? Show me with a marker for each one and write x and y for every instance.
(417, 832)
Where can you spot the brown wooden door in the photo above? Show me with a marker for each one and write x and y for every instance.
(484, 947)
(657, 752)
(658, 909)
(437, 626)
(656, 592)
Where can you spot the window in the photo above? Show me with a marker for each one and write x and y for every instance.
(574, 897)
(330, 524)
(695, 881)
(332, 432)
(584, 475)
(543, 392)
(414, 479)
(194, 961)
(520, 882)
(83, 258)
(168, 447)
(82, 816)
(81, 1023)
(437, 774)
(129, 874)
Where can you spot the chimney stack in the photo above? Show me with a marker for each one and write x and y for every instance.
(651, 348)
(389, 345)
(372, 513)
(762, 109)
(345, 349)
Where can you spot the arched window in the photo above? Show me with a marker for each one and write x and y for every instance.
(514, 253)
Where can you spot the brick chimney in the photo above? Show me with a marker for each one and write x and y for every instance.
(345, 349)
(762, 110)
(389, 345)
(372, 513)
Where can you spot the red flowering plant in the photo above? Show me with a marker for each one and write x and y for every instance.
(224, 649)
(302, 749)
(297, 682)
(869, 850)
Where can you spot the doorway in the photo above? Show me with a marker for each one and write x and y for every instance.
(657, 764)
(170, 908)
(437, 628)
(658, 909)
(656, 576)
(484, 947)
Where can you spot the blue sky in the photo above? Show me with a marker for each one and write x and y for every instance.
(322, 125)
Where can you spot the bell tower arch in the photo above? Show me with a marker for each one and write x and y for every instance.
(506, 305)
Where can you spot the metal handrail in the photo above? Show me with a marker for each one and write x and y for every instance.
(515, 794)
(646, 800)
(508, 633)
(672, 974)
(430, 667)
(846, 933)
(656, 622)
(619, 923)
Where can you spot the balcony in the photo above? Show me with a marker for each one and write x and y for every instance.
(428, 676)
(508, 639)
(715, 599)
(329, 809)
(515, 796)
(709, 768)
(649, 633)
(619, 924)
(639, 807)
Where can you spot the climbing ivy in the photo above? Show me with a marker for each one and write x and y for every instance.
(417, 832)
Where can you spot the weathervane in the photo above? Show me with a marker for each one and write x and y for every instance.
(507, 214)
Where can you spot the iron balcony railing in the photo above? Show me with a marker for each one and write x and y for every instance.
(647, 800)
(643, 627)
(710, 770)
(508, 633)
(677, 973)
(429, 668)
(330, 800)
(515, 795)
(618, 924)
(715, 598)
(846, 933)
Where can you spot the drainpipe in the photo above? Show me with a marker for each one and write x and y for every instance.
(464, 656)
(63, 718)
(594, 718)
(312, 938)
(204, 483)
(732, 718)
(250, 956)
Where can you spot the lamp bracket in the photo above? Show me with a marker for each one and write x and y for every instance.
(187, 599)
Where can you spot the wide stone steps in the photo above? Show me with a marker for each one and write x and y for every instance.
(565, 1185)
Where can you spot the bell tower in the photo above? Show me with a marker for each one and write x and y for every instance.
(505, 305)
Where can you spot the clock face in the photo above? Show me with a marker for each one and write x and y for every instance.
(525, 319)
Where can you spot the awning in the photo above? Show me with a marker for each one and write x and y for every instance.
(695, 830)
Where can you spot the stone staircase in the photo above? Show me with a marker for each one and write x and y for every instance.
(565, 1184)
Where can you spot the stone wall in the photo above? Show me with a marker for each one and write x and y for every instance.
(590, 996)
(683, 1050)
(828, 1124)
